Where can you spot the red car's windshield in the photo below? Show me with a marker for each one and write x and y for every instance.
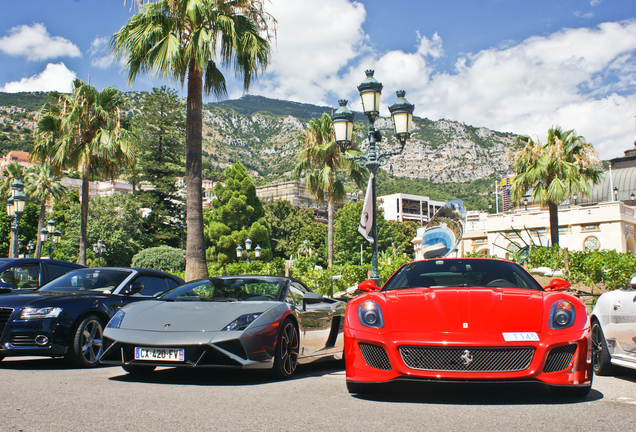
(454, 272)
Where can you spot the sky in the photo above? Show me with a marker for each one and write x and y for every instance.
(508, 65)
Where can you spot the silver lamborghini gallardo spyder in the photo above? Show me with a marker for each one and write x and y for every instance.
(244, 322)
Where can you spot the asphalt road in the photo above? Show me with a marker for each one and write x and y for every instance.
(46, 395)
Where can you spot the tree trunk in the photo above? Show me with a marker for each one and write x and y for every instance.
(196, 267)
(330, 233)
(554, 224)
(84, 214)
(38, 246)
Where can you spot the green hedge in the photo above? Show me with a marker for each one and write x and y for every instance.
(612, 268)
(163, 258)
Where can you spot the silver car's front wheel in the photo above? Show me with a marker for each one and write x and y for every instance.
(287, 346)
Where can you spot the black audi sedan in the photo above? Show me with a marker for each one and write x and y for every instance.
(66, 317)
(31, 273)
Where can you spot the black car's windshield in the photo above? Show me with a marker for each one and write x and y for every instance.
(228, 289)
(447, 272)
(102, 280)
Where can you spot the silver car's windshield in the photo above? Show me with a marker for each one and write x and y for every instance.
(102, 280)
(453, 272)
(228, 289)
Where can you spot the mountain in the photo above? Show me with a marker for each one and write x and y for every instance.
(263, 133)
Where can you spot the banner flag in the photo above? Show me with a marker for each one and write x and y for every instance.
(366, 219)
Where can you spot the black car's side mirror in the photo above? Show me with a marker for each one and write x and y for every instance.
(133, 288)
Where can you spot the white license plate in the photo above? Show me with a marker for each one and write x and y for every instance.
(159, 354)
(520, 337)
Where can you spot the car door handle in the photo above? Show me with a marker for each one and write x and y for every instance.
(617, 305)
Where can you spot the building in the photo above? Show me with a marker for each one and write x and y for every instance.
(406, 207)
(20, 157)
(297, 195)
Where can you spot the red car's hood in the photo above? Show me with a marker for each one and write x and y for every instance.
(473, 310)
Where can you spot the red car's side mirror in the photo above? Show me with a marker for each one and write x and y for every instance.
(368, 286)
(557, 285)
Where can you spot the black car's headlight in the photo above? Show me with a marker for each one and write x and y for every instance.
(116, 320)
(370, 314)
(562, 315)
(38, 313)
(241, 322)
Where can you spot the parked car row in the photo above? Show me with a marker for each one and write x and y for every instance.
(441, 319)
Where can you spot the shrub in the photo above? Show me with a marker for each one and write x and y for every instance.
(163, 258)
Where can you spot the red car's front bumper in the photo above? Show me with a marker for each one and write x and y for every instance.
(572, 361)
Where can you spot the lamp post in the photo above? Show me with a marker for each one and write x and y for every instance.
(576, 196)
(15, 208)
(402, 116)
(633, 197)
(30, 248)
(525, 202)
(615, 194)
(248, 248)
(99, 248)
(51, 234)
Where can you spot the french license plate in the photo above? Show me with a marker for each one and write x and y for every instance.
(520, 337)
(159, 354)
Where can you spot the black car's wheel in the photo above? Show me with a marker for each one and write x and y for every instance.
(601, 362)
(138, 370)
(286, 358)
(86, 346)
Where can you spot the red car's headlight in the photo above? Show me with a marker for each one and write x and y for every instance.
(562, 315)
(370, 314)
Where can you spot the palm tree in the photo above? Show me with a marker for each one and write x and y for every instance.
(193, 38)
(41, 184)
(82, 130)
(321, 159)
(563, 166)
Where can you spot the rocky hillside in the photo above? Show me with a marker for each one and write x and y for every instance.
(265, 142)
(262, 134)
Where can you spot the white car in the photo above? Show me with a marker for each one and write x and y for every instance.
(614, 330)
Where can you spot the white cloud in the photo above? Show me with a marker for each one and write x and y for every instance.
(583, 79)
(101, 57)
(54, 77)
(316, 40)
(35, 43)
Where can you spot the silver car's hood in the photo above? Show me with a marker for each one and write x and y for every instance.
(186, 316)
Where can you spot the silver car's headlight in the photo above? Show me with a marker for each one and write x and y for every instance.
(38, 313)
(241, 322)
(116, 320)
(370, 314)
(562, 315)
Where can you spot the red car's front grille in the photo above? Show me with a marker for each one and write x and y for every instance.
(559, 358)
(467, 359)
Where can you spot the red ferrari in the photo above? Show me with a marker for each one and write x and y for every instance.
(468, 319)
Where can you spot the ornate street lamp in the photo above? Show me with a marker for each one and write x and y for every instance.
(248, 247)
(15, 208)
(576, 196)
(99, 248)
(30, 248)
(632, 196)
(51, 234)
(615, 194)
(525, 202)
(402, 116)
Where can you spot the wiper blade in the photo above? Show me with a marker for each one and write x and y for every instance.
(219, 299)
